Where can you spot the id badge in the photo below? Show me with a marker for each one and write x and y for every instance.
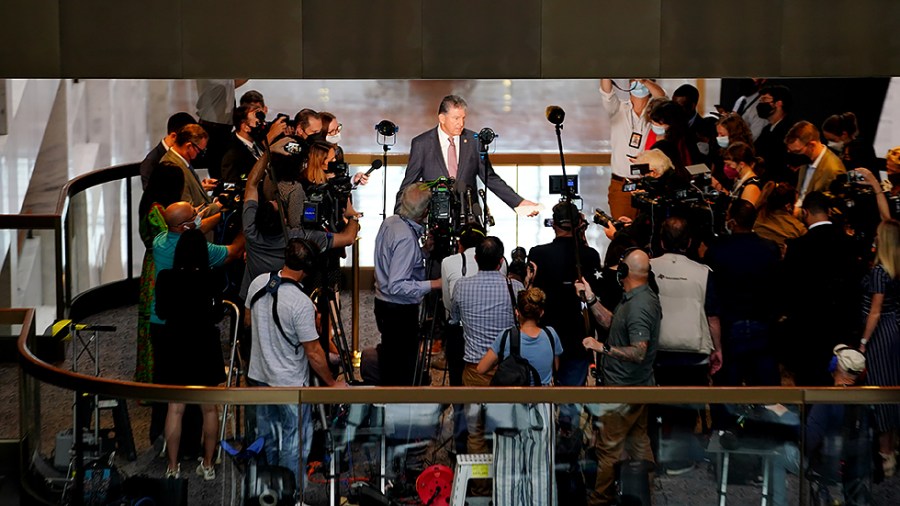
(635, 141)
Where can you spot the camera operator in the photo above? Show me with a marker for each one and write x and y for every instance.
(265, 235)
(190, 143)
(400, 286)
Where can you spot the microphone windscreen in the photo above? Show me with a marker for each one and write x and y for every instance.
(555, 114)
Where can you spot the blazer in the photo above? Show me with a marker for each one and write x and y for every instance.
(151, 161)
(825, 173)
(426, 163)
(193, 191)
(237, 162)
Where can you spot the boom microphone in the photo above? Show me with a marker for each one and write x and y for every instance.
(555, 114)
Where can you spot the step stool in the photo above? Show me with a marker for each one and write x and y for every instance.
(470, 466)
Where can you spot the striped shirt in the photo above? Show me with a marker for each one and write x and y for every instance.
(482, 303)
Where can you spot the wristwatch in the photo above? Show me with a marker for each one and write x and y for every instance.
(863, 341)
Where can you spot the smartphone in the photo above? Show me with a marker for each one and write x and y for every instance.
(640, 169)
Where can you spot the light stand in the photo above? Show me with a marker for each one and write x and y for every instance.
(556, 115)
(385, 136)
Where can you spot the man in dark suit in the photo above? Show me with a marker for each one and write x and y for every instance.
(243, 151)
(774, 105)
(820, 292)
(450, 150)
(176, 122)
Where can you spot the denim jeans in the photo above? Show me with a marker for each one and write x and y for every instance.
(278, 424)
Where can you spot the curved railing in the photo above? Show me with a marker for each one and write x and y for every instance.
(37, 372)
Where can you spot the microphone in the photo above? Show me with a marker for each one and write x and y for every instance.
(376, 164)
(555, 114)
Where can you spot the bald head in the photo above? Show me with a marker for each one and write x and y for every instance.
(179, 215)
(638, 266)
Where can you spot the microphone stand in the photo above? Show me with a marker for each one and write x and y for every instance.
(487, 219)
(576, 234)
(385, 147)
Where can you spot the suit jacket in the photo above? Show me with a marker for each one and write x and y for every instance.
(820, 297)
(770, 146)
(828, 169)
(237, 162)
(193, 191)
(426, 163)
(151, 161)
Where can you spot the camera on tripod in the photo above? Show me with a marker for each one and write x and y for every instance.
(442, 220)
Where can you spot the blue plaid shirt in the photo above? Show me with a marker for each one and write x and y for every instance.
(482, 303)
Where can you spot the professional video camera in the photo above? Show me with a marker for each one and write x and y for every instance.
(855, 207)
(232, 195)
(325, 204)
(442, 220)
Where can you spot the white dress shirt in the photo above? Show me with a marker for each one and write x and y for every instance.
(623, 122)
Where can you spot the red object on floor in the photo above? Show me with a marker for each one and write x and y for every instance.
(434, 485)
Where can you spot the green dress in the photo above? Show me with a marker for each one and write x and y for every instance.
(151, 225)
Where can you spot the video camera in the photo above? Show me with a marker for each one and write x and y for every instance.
(442, 220)
(325, 204)
(232, 195)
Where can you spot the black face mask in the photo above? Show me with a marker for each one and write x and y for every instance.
(316, 137)
(764, 109)
(797, 160)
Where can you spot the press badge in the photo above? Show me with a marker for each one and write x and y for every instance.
(636, 138)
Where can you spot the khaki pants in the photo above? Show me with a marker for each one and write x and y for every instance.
(619, 201)
(624, 428)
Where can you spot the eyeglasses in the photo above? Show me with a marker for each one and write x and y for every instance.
(335, 131)
(200, 151)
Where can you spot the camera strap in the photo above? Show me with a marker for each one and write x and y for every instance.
(512, 300)
(271, 288)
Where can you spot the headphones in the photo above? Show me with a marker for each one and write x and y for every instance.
(300, 255)
(622, 269)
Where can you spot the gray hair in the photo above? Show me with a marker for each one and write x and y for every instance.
(414, 200)
(452, 101)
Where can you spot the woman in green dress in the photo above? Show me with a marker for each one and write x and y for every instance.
(164, 188)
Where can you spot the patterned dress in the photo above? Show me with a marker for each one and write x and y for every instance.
(883, 349)
(150, 226)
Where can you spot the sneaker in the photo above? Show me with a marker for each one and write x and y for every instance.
(174, 473)
(208, 473)
(679, 467)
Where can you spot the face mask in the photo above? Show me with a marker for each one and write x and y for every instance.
(764, 109)
(334, 139)
(836, 145)
(659, 130)
(318, 136)
(731, 172)
(703, 148)
(197, 221)
(722, 141)
(640, 91)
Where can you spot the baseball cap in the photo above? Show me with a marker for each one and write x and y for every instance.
(849, 359)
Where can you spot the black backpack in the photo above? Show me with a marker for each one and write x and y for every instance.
(515, 370)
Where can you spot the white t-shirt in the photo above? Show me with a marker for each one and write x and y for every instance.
(215, 101)
(272, 360)
(628, 132)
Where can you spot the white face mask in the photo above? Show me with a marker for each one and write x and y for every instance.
(197, 221)
(659, 130)
(334, 139)
(703, 148)
(722, 141)
(836, 145)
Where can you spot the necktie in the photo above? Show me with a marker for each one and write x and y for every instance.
(452, 164)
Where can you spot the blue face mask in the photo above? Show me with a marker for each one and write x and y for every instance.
(722, 141)
(640, 91)
(659, 130)
(197, 221)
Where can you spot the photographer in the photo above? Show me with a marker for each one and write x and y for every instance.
(265, 234)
